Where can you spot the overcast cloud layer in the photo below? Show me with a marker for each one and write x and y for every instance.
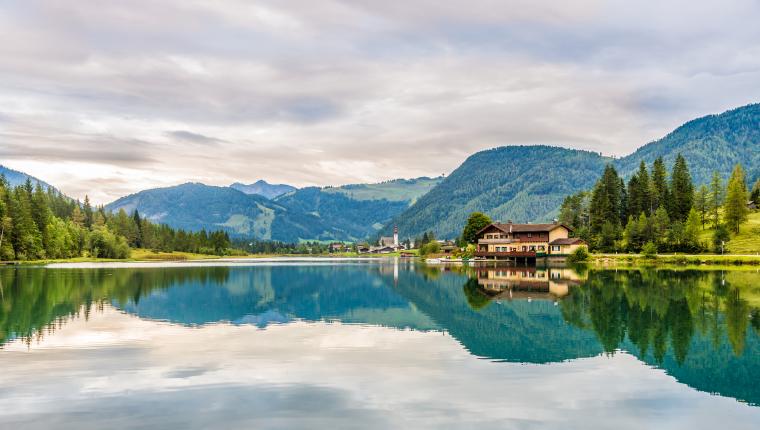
(112, 98)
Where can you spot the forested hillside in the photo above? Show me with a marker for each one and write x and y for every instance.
(521, 183)
(38, 223)
(354, 219)
(397, 190)
(528, 183)
(195, 206)
(15, 178)
(351, 212)
(710, 143)
(264, 189)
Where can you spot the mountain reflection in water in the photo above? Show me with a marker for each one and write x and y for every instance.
(702, 327)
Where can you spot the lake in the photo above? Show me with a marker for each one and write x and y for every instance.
(377, 344)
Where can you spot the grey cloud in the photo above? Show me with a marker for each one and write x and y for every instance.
(193, 137)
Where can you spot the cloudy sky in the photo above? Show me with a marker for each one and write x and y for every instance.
(112, 98)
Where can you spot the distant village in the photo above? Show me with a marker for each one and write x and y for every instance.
(496, 241)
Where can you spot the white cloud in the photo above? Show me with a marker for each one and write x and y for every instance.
(373, 89)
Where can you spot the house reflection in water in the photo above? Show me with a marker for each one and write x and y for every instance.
(508, 283)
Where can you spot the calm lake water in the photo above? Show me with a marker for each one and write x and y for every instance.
(380, 344)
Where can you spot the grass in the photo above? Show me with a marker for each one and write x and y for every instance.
(675, 260)
(149, 255)
(746, 242)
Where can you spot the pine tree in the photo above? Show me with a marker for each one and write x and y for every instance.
(26, 237)
(702, 204)
(716, 198)
(645, 189)
(659, 180)
(87, 209)
(691, 231)
(735, 208)
(138, 227)
(682, 190)
(606, 202)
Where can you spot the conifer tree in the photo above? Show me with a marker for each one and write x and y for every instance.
(682, 190)
(659, 180)
(606, 202)
(716, 198)
(735, 208)
(691, 231)
(645, 189)
(87, 210)
(26, 237)
(702, 204)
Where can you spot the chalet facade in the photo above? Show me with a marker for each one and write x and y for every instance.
(526, 241)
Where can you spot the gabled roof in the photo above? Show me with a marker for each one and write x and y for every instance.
(524, 228)
(567, 241)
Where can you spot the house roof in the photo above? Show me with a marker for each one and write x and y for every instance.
(524, 228)
(567, 241)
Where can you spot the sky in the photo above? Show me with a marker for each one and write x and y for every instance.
(121, 96)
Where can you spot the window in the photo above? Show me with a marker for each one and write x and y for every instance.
(530, 234)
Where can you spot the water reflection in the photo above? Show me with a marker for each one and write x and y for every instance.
(702, 327)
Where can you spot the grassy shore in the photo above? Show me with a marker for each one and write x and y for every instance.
(747, 241)
(675, 260)
(147, 255)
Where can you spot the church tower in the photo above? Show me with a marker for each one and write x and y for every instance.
(395, 236)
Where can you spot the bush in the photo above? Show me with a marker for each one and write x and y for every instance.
(105, 244)
(430, 248)
(579, 255)
(649, 250)
(720, 236)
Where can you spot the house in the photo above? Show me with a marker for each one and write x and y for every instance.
(508, 241)
(751, 205)
(447, 246)
(339, 247)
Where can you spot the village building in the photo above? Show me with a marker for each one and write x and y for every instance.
(529, 241)
(339, 247)
(387, 244)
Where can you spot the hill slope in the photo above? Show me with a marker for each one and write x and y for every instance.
(528, 183)
(264, 189)
(521, 183)
(15, 177)
(713, 142)
(302, 214)
(194, 206)
(359, 210)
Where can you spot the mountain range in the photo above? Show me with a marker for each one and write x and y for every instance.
(264, 189)
(349, 212)
(519, 183)
(528, 183)
(15, 178)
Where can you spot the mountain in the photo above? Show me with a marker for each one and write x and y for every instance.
(713, 142)
(350, 212)
(15, 177)
(528, 183)
(359, 210)
(521, 183)
(195, 206)
(263, 188)
(406, 190)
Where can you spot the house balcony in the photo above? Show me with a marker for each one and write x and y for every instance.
(508, 254)
(497, 241)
